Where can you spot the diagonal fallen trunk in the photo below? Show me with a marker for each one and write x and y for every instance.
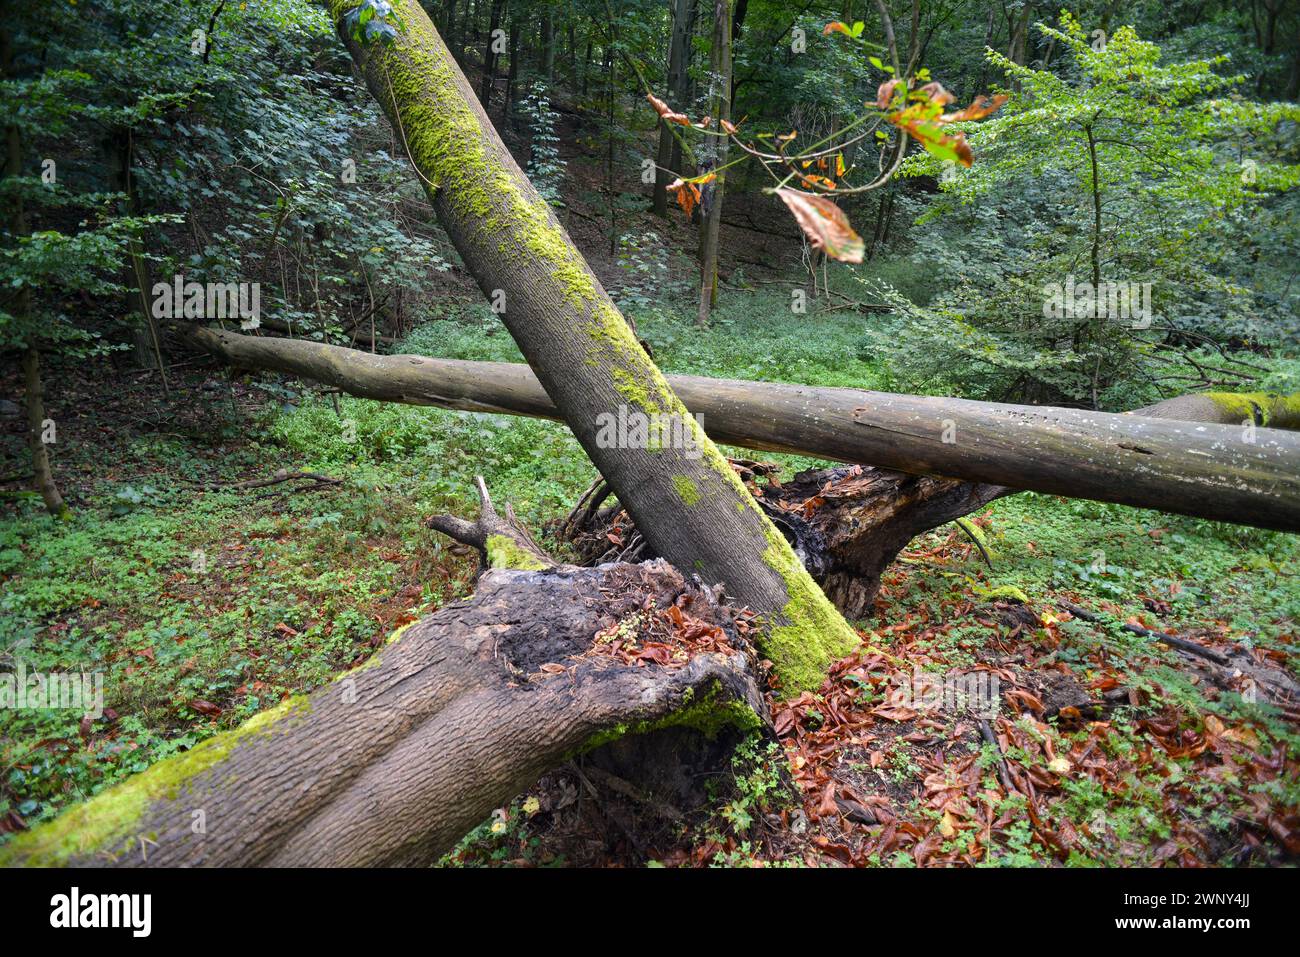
(396, 760)
(1233, 473)
(584, 353)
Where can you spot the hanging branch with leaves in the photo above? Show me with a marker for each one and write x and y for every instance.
(913, 106)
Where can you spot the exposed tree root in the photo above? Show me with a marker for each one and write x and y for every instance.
(846, 524)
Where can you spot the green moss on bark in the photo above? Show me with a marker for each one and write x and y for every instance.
(106, 824)
(686, 490)
(468, 176)
(504, 552)
(1266, 408)
(809, 634)
(704, 713)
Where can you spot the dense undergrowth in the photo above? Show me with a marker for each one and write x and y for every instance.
(203, 604)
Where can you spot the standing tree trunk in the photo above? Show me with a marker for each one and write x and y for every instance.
(982, 75)
(145, 343)
(449, 28)
(548, 48)
(683, 94)
(680, 490)
(884, 217)
(42, 474)
(571, 54)
(611, 76)
(490, 55)
(512, 78)
(467, 23)
(669, 154)
(1293, 76)
(738, 20)
(720, 82)
(1018, 31)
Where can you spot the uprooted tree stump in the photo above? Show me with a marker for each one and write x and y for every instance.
(847, 524)
(396, 760)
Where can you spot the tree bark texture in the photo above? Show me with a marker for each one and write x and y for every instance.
(698, 515)
(42, 473)
(1230, 472)
(393, 762)
(679, 52)
(711, 201)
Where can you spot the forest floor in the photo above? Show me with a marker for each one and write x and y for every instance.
(202, 602)
(203, 599)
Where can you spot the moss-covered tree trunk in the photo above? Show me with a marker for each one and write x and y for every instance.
(680, 490)
(393, 762)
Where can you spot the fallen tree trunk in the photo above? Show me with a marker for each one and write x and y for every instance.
(580, 346)
(848, 524)
(1231, 408)
(852, 522)
(1231, 473)
(396, 760)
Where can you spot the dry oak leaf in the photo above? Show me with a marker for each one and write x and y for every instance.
(925, 120)
(885, 94)
(935, 93)
(981, 108)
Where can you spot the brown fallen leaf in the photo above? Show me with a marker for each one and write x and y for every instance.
(885, 94)
(946, 825)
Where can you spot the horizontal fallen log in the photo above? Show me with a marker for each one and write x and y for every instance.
(1231, 473)
(393, 762)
